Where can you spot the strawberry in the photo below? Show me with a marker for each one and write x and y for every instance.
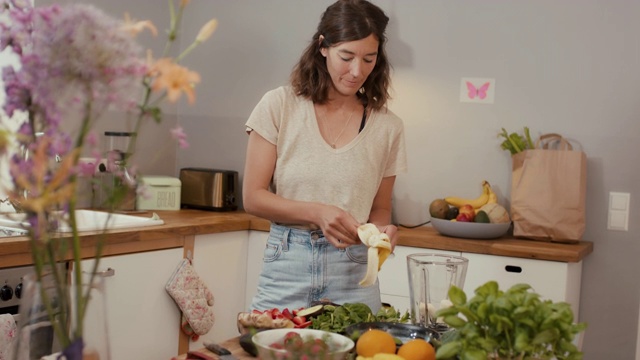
(299, 320)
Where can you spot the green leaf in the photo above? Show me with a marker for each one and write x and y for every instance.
(449, 350)
(474, 354)
(457, 296)
(489, 288)
(455, 321)
(522, 341)
(545, 336)
(452, 310)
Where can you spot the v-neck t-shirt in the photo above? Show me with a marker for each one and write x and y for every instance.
(309, 169)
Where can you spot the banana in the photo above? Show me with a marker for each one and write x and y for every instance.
(475, 203)
(379, 249)
(493, 198)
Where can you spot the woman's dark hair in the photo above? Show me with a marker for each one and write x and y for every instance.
(345, 20)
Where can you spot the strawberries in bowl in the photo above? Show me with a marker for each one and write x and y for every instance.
(272, 319)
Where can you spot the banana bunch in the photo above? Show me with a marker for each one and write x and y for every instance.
(487, 197)
(379, 249)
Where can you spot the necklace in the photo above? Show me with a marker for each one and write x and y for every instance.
(335, 140)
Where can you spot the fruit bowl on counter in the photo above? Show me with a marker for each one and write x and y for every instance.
(470, 230)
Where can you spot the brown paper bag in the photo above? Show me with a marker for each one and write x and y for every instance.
(548, 191)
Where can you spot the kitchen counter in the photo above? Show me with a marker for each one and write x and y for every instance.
(181, 226)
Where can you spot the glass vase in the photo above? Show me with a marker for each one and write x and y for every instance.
(48, 313)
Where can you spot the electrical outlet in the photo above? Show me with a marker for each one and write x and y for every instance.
(477, 90)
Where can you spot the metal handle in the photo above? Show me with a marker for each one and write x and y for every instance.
(106, 273)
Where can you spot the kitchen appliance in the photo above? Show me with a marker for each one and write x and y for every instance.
(209, 189)
(117, 145)
(430, 277)
(11, 288)
(162, 193)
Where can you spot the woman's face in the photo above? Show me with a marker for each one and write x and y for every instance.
(350, 63)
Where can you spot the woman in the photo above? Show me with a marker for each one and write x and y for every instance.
(322, 158)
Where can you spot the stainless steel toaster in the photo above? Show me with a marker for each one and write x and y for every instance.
(209, 189)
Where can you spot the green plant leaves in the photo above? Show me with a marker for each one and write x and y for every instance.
(512, 324)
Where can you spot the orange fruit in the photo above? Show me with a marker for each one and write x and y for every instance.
(417, 349)
(375, 341)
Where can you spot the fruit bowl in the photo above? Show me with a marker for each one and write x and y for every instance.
(470, 230)
(400, 332)
(268, 342)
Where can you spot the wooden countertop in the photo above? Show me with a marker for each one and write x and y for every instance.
(182, 225)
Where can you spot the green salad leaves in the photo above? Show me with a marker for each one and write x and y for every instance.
(337, 318)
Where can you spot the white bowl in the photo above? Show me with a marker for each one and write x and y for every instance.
(339, 345)
(470, 230)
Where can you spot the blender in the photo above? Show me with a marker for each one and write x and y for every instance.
(115, 188)
(430, 277)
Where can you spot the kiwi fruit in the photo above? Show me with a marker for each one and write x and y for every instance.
(438, 209)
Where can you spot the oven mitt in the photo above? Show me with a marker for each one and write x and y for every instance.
(192, 296)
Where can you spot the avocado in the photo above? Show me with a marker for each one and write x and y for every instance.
(482, 217)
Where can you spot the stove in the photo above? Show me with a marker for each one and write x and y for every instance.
(11, 288)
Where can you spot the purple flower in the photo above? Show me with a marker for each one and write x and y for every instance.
(71, 56)
(179, 134)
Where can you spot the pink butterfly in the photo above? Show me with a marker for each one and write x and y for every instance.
(481, 92)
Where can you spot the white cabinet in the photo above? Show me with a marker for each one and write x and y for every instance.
(394, 277)
(141, 317)
(220, 259)
(553, 280)
(255, 252)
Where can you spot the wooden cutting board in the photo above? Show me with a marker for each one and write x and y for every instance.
(232, 345)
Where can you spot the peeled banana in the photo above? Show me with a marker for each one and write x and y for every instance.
(487, 196)
(379, 249)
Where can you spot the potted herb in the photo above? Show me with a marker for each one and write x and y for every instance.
(508, 325)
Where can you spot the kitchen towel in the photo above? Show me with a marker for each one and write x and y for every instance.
(192, 296)
(8, 333)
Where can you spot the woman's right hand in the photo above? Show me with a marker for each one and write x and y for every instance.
(338, 226)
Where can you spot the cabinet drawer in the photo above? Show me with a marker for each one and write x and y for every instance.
(556, 281)
(394, 277)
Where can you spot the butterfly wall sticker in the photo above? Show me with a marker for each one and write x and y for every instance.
(480, 92)
(477, 90)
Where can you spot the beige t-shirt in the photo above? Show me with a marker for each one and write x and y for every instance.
(309, 169)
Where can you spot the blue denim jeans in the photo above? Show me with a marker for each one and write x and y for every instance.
(301, 266)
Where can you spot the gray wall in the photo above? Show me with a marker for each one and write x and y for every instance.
(560, 66)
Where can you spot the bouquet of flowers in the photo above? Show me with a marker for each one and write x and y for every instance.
(76, 61)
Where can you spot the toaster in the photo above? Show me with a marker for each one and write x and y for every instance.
(208, 189)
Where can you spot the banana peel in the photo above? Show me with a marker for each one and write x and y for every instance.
(379, 249)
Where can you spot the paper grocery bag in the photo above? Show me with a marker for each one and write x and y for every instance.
(548, 193)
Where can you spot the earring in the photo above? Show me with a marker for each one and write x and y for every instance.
(361, 90)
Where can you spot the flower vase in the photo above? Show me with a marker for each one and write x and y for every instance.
(47, 307)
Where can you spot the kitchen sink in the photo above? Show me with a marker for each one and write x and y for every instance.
(87, 220)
